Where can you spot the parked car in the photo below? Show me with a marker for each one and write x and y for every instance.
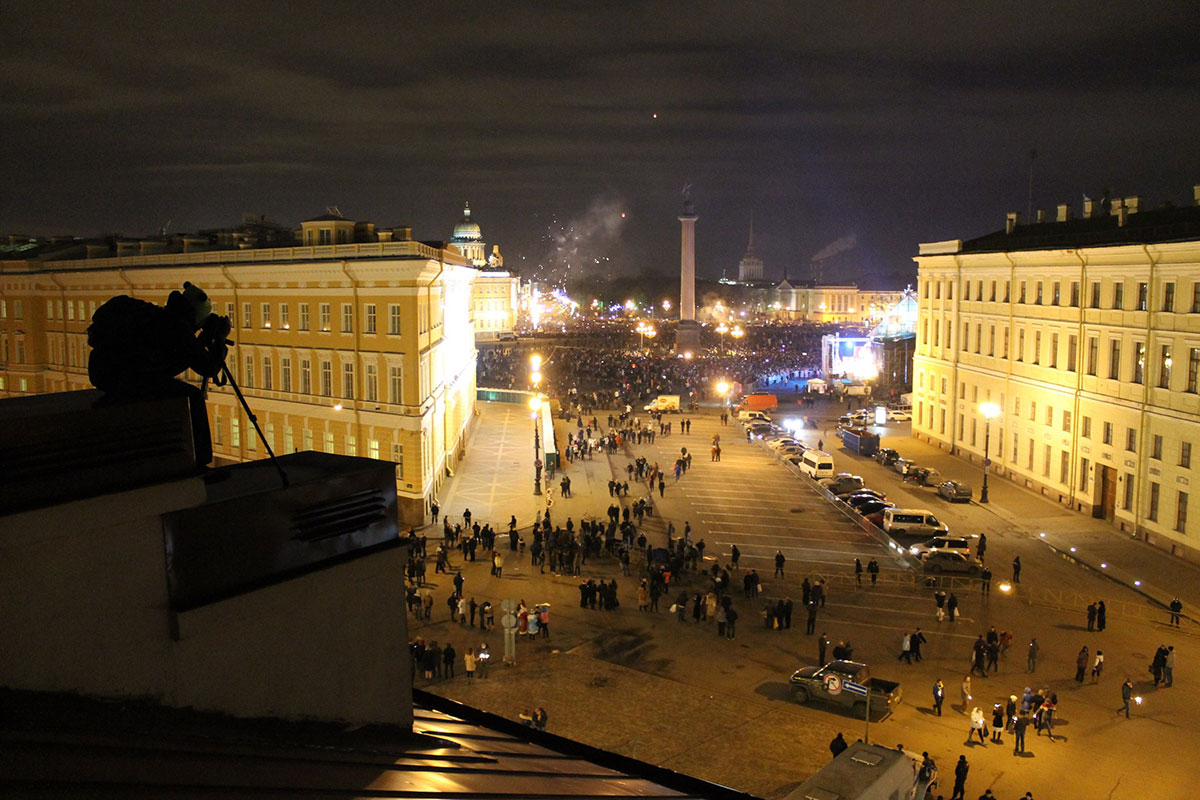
(781, 441)
(899, 416)
(790, 450)
(937, 563)
(874, 513)
(903, 465)
(845, 683)
(887, 456)
(864, 495)
(955, 491)
(845, 421)
(942, 544)
(872, 510)
(843, 483)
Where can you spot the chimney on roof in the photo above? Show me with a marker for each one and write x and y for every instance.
(1120, 212)
(1010, 221)
(1041, 215)
(1089, 208)
(1064, 212)
(402, 233)
(1133, 204)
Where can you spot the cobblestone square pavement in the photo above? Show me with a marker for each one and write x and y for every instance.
(672, 693)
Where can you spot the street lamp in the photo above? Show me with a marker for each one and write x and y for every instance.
(990, 411)
(535, 405)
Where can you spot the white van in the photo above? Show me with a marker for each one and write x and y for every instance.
(913, 522)
(748, 415)
(816, 464)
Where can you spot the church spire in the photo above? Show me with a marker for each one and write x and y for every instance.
(750, 248)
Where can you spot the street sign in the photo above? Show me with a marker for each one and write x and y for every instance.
(833, 683)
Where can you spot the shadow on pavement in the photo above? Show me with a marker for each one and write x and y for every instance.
(774, 690)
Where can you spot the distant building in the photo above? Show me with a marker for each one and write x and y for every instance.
(358, 344)
(750, 268)
(1085, 333)
(809, 302)
(468, 238)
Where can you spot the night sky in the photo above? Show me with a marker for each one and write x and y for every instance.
(879, 124)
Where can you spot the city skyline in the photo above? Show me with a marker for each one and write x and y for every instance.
(887, 130)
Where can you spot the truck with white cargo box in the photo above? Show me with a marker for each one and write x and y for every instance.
(664, 402)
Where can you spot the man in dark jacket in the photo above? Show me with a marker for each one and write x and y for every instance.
(138, 348)
(960, 778)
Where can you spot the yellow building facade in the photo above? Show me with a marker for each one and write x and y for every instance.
(1086, 334)
(834, 303)
(358, 349)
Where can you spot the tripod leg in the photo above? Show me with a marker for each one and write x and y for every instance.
(254, 421)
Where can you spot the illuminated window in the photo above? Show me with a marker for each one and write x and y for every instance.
(308, 439)
(373, 448)
(328, 442)
(289, 441)
(284, 317)
(235, 432)
(1139, 361)
(1164, 367)
(351, 446)
(325, 315)
(266, 315)
(398, 457)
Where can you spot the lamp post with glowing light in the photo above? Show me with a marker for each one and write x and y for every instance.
(723, 390)
(535, 405)
(990, 411)
(644, 329)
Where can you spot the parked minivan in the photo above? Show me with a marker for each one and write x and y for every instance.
(816, 464)
(913, 522)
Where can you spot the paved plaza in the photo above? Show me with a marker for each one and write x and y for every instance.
(673, 693)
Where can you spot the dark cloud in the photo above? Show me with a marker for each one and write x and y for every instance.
(890, 122)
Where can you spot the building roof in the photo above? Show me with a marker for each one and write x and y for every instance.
(467, 230)
(1168, 224)
(88, 748)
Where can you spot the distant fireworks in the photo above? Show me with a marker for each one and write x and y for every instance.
(575, 246)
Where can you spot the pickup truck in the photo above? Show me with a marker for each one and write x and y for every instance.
(846, 683)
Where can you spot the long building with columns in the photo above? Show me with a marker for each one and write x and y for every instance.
(359, 344)
(1085, 332)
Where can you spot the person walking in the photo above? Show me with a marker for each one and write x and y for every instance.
(1032, 656)
(779, 559)
(812, 618)
(939, 695)
(1081, 662)
(1169, 667)
(1046, 716)
(873, 570)
(905, 648)
(858, 572)
(1091, 617)
(997, 723)
(838, 745)
(1097, 666)
(952, 606)
(1101, 616)
(965, 690)
(822, 644)
(1126, 696)
(734, 555)
(918, 639)
(977, 726)
(1019, 733)
(1016, 565)
(960, 778)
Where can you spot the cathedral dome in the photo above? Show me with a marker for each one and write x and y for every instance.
(467, 230)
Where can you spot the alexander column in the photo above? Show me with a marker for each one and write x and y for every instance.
(687, 338)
